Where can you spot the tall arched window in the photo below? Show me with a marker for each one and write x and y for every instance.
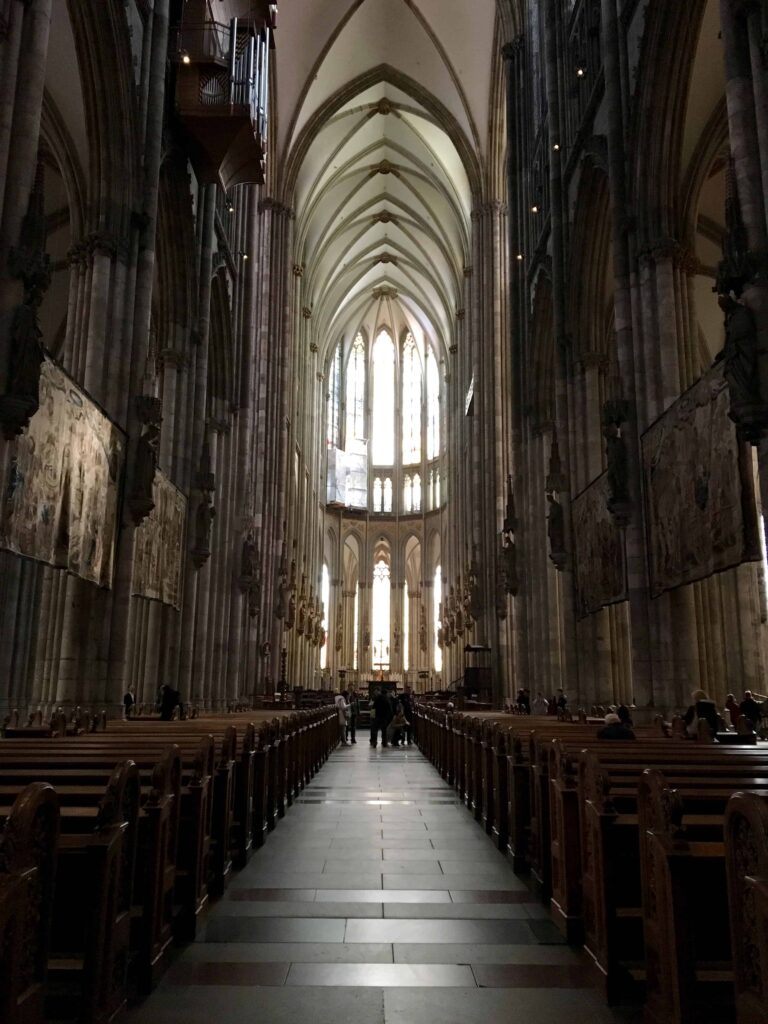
(437, 596)
(433, 406)
(356, 392)
(412, 402)
(387, 427)
(325, 597)
(355, 626)
(383, 372)
(380, 607)
(406, 631)
(334, 399)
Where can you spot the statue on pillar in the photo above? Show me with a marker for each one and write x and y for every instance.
(423, 630)
(556, 531)
(30, 264)
(339, 634)
(614, 415)
(745, 354)
(204, 516)
(142, 501)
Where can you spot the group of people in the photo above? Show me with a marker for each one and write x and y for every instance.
(391, 715)
(540, 705)
(746, 716)
(166, 702)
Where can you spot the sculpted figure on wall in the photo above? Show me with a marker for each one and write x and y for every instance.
(556, 531)
(746, 370)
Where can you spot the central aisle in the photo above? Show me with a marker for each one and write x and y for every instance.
(378, 900)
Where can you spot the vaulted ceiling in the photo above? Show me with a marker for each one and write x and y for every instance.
(383, 133)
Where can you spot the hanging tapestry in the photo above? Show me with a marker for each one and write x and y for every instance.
(600, 557)
(699, 491)
(60, 504)
(159, 543)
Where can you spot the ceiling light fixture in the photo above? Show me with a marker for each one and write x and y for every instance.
(185, 57)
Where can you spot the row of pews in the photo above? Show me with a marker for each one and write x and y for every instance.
(652, 855)
(113, 843)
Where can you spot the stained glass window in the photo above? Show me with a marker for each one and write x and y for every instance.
(412, 402)
(356, 392)
(381, 614)
(433, 406)
(383, 383)
(437, 596)
(325, 597)
(334, 399)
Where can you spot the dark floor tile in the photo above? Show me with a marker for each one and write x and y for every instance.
(227, 974)
(490, 896)
(531, 976)
(546, 933)
(439, 930)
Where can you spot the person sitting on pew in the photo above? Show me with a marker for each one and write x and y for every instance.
(615, 729)
(702, 708)
(624, 716)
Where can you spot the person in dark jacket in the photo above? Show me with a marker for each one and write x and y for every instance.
(381, 716)
(615, 729)
(170, 700)
(702, 709)
(405, 700)
(750, 709)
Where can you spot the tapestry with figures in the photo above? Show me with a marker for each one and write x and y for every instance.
(60, 502)
(159, 544)
(699, 489)
(599, 550)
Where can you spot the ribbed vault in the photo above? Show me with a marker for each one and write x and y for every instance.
(384, 148)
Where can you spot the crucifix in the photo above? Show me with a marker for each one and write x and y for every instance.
(383, 661)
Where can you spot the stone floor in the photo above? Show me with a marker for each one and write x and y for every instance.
(378, 900)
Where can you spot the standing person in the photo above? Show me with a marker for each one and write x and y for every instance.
(750, 710)
(342, 708)
(168, 703)
(128, 703)
(406, 701)
(540, 704)
(733, 709)
(562, 700)
(354, 711)
(381, 715)
(704, 709)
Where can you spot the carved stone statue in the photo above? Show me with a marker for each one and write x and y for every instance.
(204, 516)
(339, 635)
(618, 470)
(556, 531)
(423, 630)
(249, 569)
(746, 370)
(291, 617)
(142, 499)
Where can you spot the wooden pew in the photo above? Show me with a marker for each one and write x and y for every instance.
(685, 905)
(746, 860)
(28, 844)
(153, 900)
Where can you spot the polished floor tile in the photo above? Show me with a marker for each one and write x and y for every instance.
(377, 900)
(381, 975)
(439, 930)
